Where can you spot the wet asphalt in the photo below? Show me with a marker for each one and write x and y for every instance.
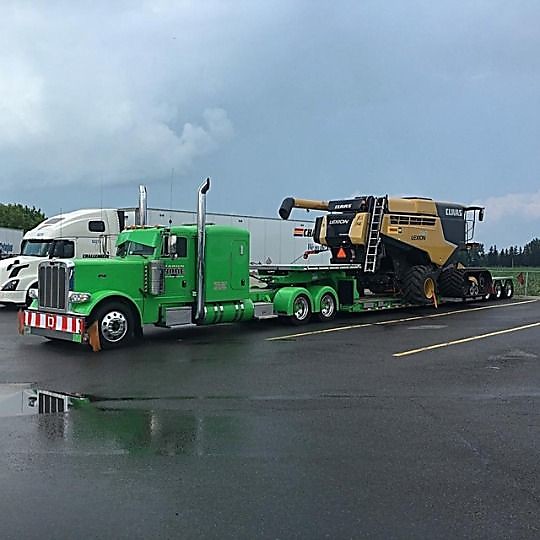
(221, 432)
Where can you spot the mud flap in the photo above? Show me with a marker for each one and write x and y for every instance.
(93, 337)
(20, 321)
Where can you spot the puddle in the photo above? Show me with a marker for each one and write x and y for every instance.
(20, 399)
(428, 327)
(88, 431)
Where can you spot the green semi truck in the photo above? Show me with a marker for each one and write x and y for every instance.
(187, 275)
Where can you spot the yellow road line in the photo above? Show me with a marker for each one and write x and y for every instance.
(466, 340)
(394, 321)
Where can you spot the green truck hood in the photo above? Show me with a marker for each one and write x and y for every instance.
(117, 274)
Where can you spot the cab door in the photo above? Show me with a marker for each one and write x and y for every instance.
(179, 270)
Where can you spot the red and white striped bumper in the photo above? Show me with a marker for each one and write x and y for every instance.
(68, 327)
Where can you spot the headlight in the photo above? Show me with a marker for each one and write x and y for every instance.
(79, 297)
(11, 285)
(33, 294)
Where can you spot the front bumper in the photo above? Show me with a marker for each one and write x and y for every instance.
(13, 297)
(52, 325)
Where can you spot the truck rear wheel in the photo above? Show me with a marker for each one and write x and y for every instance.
(328, 307)
(301, 310)
(116, 324)
(419, 285)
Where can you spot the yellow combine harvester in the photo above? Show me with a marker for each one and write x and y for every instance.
(409, 246)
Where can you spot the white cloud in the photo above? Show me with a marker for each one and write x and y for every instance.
(517, 205)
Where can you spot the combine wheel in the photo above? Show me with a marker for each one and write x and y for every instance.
(328, 307)
(452, 283)
(508, 289)
(301, 310)
(497, 290)
(115, 324)
(419, 285)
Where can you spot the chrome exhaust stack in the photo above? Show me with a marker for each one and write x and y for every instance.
(201, 241)
(142, 218)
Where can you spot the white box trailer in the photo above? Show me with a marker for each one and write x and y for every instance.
(10, 241)
(273, 241)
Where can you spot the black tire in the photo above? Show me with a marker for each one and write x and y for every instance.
(452, 283)
(497, 290)
(301, 310)
(415, 283)
(508, 289)
(116, 324)
(328, 307)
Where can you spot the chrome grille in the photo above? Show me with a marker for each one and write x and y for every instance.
(53, 285)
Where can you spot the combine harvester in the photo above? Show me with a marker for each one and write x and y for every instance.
(400, 249)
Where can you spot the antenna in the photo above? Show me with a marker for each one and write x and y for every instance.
(170, 198)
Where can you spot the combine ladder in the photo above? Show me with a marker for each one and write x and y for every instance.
(372, 248)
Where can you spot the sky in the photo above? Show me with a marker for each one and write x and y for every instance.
(322, 100)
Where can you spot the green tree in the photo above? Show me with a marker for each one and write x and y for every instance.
(17, 216)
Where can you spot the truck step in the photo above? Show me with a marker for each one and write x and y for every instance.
(264, 310)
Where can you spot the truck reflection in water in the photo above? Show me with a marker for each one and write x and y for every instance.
(137, 432)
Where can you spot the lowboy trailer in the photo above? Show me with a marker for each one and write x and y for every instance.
(192, 275)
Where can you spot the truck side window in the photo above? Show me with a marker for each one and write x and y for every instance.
(96, 226)
(63, 249)
(181, 246)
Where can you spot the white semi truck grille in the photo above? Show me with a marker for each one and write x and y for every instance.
(53, 285)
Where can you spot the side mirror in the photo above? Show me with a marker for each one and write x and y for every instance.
(481, 215)
(172, 245)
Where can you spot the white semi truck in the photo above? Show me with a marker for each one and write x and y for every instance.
(82, 234)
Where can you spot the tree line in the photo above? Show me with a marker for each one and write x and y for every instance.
(17, 216)
(527, 255)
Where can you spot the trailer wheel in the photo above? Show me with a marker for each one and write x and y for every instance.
(497, 291)
(508, 290)
(328, 307)
(116, 324)
(301, 310)
(419, 285)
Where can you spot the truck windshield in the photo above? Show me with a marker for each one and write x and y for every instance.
(36, 248)
(133, 248)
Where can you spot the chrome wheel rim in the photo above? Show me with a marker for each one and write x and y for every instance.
(328, 306)
(301, 308)
(114, 326)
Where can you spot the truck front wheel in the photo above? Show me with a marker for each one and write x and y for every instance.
(115, 324)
